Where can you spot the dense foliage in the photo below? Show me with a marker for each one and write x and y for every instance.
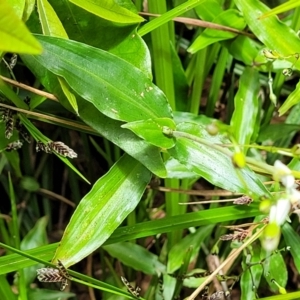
(116, 114)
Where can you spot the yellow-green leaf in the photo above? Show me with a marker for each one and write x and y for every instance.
(109, 10)
(14, 35)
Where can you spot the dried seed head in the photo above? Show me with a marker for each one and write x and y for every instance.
(14, 146)
(244, 200)
(40, 146)
(133, 291)
(62, 149)
(49, 275)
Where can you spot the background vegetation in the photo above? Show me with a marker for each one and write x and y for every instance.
(112, 121)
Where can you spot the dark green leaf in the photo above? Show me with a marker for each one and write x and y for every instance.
(151, 131)
(215, 166)
(113, 86)
(102, 210)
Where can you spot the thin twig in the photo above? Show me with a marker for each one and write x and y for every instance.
(201, 23)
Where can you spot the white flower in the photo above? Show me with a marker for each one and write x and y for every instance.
(280, 211)
(283, 174)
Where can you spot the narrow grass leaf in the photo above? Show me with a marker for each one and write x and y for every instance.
(109, 10)
(12, 262)
(281, 8)
(151, 131)
(38, 136)
(112, 85)
(136, 257)
(292, 99)
(14, 35)
(5, 290)
(246, 107)
(68, 93)
(50, 22)
(102, 210)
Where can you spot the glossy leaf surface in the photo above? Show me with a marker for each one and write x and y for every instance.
(102, 210)
(215, 166)
(151, 131)
(113, 86)
(14, 35)
(108, 9)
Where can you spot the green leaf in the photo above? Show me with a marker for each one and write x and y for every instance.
(115, 87)
(177, 253)
(109, 10)
(231, 18)
(13, 262)
(151, 131)
(37, 294)
(281, 8)
(215, 166)
(69, 95)
(14, 35)
(292, 99)
(246, 106)
(50, 22)
(102, 210)
(136, 257)
(273, 33)
(276, 270)
(208, 10)
(108, 128)
(270, 132)
(292, 240)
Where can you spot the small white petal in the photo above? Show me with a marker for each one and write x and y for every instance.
(280, 211)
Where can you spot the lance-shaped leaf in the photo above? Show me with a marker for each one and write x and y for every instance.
(109, 10)
(151, 131)
(115, 87)
(102, 210)
(215, 166)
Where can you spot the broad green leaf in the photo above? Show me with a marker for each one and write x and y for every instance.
(276, 269)
(14, 35)
(208, 10)
(246, 106)
(38, 136)
(109, 10)
(292, 240)
(151, 131)
(51, 24)
(115, 87)
(244, 49)
(177, 253)
(18, 7)
(215, 166)
(282, 8)
(292, 99)
(102, 210)
(69, 95)
(231, 18)
(177, 170)
(136, 257)
(273, 33)
(109, 128)
(12, 262)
